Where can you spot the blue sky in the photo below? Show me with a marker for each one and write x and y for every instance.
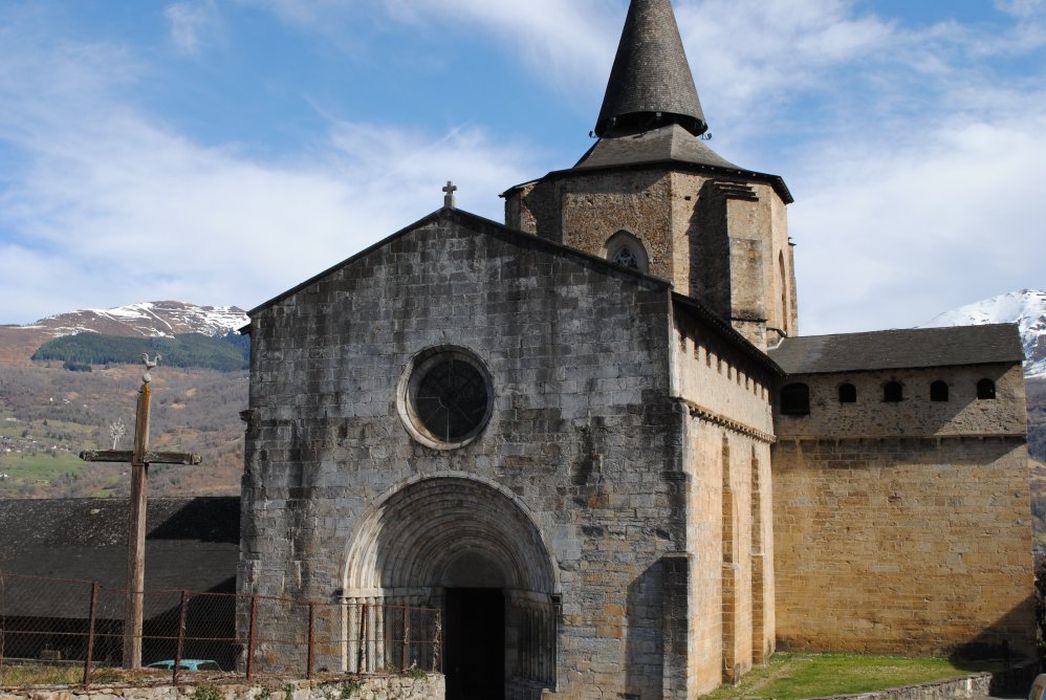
(220, 151)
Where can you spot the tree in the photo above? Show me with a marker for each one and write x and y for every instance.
(117, 430)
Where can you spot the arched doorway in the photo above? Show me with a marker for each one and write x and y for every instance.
(471, 549)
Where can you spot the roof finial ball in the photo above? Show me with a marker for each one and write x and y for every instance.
(448, 195)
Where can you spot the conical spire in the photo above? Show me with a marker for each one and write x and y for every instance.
(651, 84)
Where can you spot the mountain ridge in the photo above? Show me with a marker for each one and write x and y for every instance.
(1026, 308)
(150, 319)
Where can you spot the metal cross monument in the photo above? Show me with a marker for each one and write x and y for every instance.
(140, 458)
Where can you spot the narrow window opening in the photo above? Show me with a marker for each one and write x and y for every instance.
(847, 393)
(939, 391)
(985, 390)
(893, 392)
(795, 400)
(784, 291)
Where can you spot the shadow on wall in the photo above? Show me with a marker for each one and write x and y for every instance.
(644, 644)
(710, 250)
(1008, 648)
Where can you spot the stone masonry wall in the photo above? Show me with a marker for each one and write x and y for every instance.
(870, 416)
(429, 687)
(582, 432)
(893, 532)
(903, 546)
(723, 242)
(729, 516)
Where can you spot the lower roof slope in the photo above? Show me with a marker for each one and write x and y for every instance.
(668, 143)
(191, 544)
(900, 349)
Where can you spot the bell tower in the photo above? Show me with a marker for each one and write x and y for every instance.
(650, 194)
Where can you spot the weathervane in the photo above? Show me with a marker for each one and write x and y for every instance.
(149, 365)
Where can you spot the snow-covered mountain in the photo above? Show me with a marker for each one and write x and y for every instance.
(1026, 308)
(149, 319)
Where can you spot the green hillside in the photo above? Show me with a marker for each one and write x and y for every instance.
(226, 353)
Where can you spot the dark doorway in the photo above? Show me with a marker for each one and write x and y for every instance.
(475, 641)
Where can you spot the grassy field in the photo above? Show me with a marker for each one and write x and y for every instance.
(45, 429)
(41, 466)
(43, 408)
(24, 675)
(797, 676)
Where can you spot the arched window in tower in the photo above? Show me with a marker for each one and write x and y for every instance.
(847, 393)
(893, 392)
(985, 390)
(626, 250)
(939, 391)
(795, 400)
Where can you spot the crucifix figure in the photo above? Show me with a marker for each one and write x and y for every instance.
(140, 458)
(448, 198)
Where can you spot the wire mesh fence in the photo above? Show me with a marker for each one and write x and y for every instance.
(62, 632)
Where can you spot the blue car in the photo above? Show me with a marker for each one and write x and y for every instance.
(187, 665)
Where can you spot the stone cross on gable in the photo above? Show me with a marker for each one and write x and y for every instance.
(448, 197)
(140, 458)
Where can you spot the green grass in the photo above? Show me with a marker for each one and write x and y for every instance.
(797, 676)
(13, 676)
(22, 468)
(39, 430)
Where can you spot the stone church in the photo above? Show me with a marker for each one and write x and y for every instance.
(594, 437)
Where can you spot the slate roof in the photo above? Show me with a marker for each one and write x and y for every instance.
(191, 544)
(651, 114)
(900, 349)
(671, 142)
(651, 75)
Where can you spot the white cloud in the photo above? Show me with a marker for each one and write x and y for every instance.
(566, 43)
(1021, 8)
(310, 14)
(916, 170)
(900, 231)
(119, 207)
(193, 24)
(750, 55)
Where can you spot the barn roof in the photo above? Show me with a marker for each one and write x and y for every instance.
(900, 349)
(191, 544)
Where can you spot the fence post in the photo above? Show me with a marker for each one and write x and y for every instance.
(181, 638)
(437, 643)
(91, 614)
(406, 639)
(250, 635)
(312, 619)
(3, 621)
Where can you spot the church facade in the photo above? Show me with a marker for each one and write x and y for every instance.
(594, 437)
